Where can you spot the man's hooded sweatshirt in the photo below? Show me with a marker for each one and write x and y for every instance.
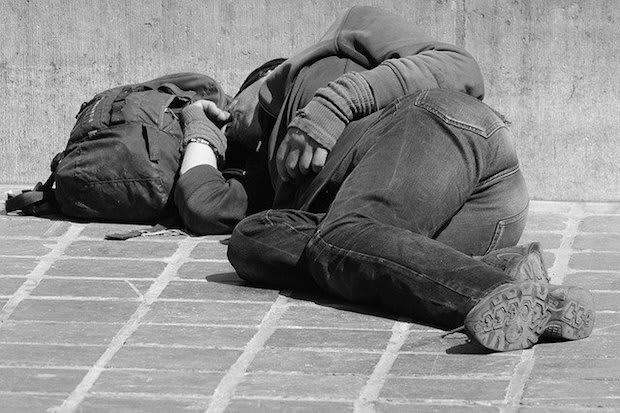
(367, 59)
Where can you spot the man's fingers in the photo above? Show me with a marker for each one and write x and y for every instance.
(305, 160)
(298, 155)
(281, 157)
(292, 161)
(319, 159)
(213, 112)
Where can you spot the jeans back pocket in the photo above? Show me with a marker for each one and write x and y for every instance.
(461, 110)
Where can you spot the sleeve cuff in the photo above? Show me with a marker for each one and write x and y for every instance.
(195, 124)
(320, 123)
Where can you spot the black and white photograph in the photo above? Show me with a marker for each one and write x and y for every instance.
(309, 206)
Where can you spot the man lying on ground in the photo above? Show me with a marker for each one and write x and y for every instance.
(384, 180)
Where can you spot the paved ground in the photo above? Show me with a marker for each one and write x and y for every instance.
(163, 324)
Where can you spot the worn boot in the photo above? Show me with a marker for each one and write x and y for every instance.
(520, 263)
(514, 316)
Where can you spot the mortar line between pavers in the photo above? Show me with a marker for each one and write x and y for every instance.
(54, 227)
(37, 274)
(78, 394)
(371, 390)
(226, 387)
(467, 403)
(516, 387)
(91, 258)
(521, 375)
(564, 251)
(119, 258)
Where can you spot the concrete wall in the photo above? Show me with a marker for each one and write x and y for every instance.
(551, 66)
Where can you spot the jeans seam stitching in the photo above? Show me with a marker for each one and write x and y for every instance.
(271, 224)
(498, 177)
(285, 224)
(499, 229)
(494, 127)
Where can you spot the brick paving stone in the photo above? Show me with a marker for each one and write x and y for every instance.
(27, 227)
(202, 270)
(287, 406)
(169, 382)
(547, 240)
(594, 280)
(229, 278)
(321, 316)
(188, 312)
(548, 259)
(412, 389)
(118, 403)
(25, 247)
(479, 366)
(576, 393)
(34, 379)
(541, 221)
(605, 405)
(196, 336)
(299, 386)
(57, 333)
(600, 224)
(74, 310)
(211, 250)
(601, 207)
(582, 368)
(381, 407)
(191, 290)
(100, 230)
(317, 362)
(43, 355)
(595, 346)
(597, 242)
(598, 261)
(606, 300)
(84, 267)
(541, 206)
(125, 249)
(433, 342)
(325, 339)
(9, 285)
(177, 358)
(91, 288)
(16, 265)
(607, 323)
(28, 403)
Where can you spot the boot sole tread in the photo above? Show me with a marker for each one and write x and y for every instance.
(515, 316)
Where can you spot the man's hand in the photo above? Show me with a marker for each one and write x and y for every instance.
(298, 154)
(213, 113)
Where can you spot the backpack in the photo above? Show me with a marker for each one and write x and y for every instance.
(123, 154)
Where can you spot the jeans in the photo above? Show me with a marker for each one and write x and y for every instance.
(433, 181)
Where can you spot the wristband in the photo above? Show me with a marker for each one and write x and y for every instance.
(218, 156)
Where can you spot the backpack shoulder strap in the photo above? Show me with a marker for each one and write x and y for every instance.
(37, 201)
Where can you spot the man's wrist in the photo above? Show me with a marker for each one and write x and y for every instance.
(202, 141)
(197, 126)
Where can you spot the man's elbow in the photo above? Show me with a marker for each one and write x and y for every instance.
(210, 217)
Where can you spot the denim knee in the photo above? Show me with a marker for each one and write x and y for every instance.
(268, 247)
(242, 252)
